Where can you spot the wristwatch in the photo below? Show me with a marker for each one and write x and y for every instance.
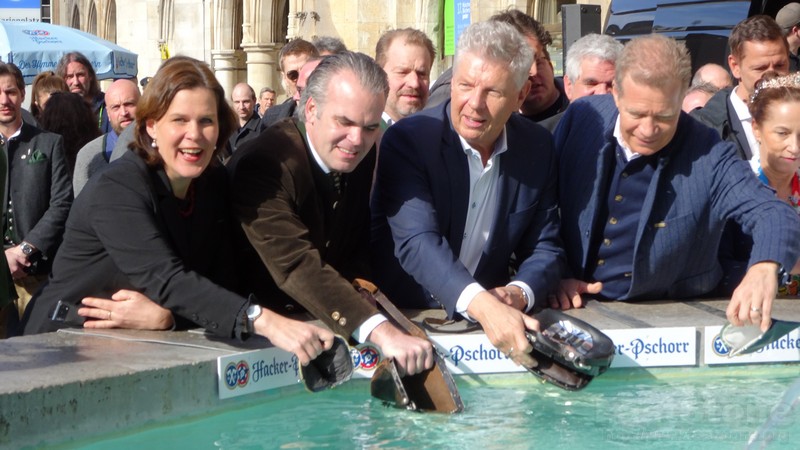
(27, 249)
(783, 277)
(253, 312)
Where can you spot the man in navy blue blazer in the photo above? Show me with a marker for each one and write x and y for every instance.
(462, 187)
(645, 190)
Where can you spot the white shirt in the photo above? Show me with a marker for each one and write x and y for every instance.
(629, 154)
(481, 212)
(361, 333)
(747, 121)
(387, 118)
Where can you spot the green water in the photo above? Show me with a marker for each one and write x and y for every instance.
(711, 408)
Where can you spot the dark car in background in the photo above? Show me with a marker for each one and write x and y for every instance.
(704, 25)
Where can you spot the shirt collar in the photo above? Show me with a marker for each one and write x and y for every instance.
(314, 153)
(16, 133)
(739, 106)
(500, 145)
(387, 118)
(629, 154)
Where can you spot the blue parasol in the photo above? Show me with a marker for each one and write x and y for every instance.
(37, 46)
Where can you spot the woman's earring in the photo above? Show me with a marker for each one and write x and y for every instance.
(153, 144)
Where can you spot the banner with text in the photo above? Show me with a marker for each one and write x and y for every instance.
(785, 349)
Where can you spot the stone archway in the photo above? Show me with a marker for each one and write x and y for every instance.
(226, 51)
(264, 26)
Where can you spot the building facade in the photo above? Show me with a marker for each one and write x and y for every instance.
(241, 39)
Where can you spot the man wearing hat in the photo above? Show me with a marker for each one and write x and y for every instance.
(789, 19)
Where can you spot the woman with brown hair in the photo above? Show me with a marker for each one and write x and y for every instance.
(154, 225)
(43, 86)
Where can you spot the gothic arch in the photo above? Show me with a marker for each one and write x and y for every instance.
(75, 21)
(91, 19)
(108, 24)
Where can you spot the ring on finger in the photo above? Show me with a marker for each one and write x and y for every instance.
(109, 316)
(755, 310)
(509, 352)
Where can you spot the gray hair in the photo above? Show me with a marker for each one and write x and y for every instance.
(497, 41)
(329, 44)
(370, 76)
(266, 89)
(594, 45)
(704, 87)
(656, 61)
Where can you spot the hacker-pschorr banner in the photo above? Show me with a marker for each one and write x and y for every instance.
(785, 349)
(259, 370)
(256, 371)
(21, 10)
(654, 347)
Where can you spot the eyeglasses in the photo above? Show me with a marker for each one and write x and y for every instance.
(293, 75)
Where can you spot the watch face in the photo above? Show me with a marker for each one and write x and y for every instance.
(253, 312)
(27, 249)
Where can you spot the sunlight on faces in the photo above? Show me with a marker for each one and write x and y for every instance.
(543, 89)
(121, 104)
(408, 68)
(344, 129)
(758, 58)
(483, 96)
(186, 136)
(11, 99)
(648, 116)
(596, 78)
(77, 78)
(243, 102)
(267, 100)
(290, 63)
(302, 78)
(779, 135)
(694, 100)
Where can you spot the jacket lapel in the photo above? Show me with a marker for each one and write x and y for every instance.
(738, 132)
(456, 181)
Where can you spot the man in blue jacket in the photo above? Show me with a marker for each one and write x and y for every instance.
(645, 190)
(462, 187)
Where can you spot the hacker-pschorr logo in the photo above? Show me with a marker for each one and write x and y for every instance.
(369, 357)
(719, 347)
(237, 374)
(36, 32)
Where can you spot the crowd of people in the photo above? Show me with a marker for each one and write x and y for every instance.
(499, 190)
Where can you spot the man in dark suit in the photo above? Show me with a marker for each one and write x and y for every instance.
(301, 192)
(645, 191)
(462, 187)
(757, 46)
(39, 190)
(243, 98)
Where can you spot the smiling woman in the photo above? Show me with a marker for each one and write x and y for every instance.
(151, 230)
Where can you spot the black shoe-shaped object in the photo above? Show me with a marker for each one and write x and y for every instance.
(330, 369)
(569, 351)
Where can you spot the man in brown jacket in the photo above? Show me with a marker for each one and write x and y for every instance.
(301, 192)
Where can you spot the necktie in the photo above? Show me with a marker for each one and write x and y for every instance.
(336, 180)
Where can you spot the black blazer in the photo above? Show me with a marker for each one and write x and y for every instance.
(125, 231)
(40, 189)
